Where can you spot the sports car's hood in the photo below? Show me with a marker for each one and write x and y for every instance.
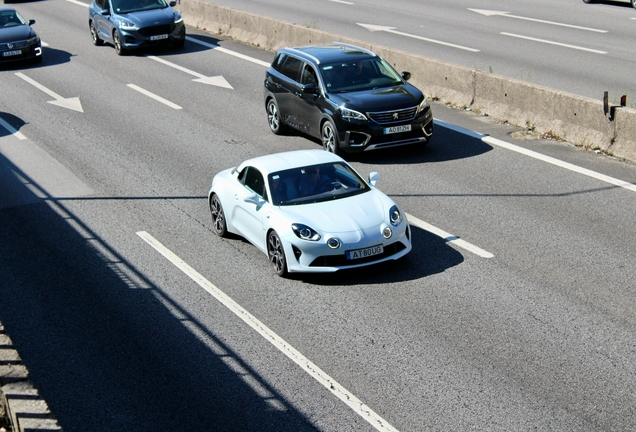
(151, 17)
(344, 215)
(15, 34)
(380, 99)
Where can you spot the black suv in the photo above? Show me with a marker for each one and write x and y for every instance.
(347, 96)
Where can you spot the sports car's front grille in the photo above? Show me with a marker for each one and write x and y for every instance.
(341, 260)
(393, 116)
(14, 46)
(156, 30)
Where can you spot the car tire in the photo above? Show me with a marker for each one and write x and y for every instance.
(276, 254)
(276, 124)
(589, 1)
(219, 225)
(96, 40)
(634, 4)
(119, 48)
(329, 138)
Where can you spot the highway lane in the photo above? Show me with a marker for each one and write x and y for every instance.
(571, 46)
(537, 336)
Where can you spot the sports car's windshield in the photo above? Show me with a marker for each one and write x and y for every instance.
(127, 6)
(357, 75)
(315, 183)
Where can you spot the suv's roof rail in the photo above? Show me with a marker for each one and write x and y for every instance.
(364, 50)
(303, 54)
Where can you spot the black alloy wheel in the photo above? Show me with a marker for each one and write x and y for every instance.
(218, 216)
(273, 118)
(276, 254)
(329, 136)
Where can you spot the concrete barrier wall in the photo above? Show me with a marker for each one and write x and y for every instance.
(573, 118)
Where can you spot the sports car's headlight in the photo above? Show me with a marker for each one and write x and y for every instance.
(395, 216)
(423, 105)
(177, 18)
(127, 25)
(349, 114)
(305, 233)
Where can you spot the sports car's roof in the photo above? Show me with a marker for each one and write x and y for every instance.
(291, 159)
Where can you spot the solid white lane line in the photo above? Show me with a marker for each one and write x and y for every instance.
(554, 43)
(227, 51)
(449, 238)
(314, 371)
(12, 130)
(154, 96)
(560, 163)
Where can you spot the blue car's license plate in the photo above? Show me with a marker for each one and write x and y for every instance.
(158, 37)
(366, 252)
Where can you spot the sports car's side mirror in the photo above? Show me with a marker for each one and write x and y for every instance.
(252, 198)
(373, 178)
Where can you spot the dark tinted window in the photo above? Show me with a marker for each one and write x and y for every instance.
(253, 180)
(308, 75)
(289, 66)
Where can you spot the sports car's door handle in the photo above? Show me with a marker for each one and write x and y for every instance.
(236, 197)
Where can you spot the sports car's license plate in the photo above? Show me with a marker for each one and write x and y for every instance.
(158, 37)
(366, 252)
(397, 129)
(11, 53)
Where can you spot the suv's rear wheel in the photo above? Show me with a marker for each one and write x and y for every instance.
(273, 117)
(94, 36)
(329, 136)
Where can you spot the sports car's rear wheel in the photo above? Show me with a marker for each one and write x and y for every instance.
(218, 216)
(276, 253)
(273, 118)
(119, 48)
(94, 36)
(329, 137)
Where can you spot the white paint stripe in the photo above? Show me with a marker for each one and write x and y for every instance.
(39, 86)
(78, 3)
(450, 238)
(340, 1)
(12, 130)
(154, 96)
(554, 43)
(319, 375)
(176, 66)
(227, 51)
(560, 163)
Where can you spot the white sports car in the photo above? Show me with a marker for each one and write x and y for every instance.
(309, 211)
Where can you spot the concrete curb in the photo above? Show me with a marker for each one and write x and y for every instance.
(19, 399)
(576, 119)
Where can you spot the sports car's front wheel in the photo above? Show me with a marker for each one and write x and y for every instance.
(276, 254)
(218, 216)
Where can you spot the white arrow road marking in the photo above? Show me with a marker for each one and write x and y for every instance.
(554, 43)
(154, 96)
(70, 103)
(12, 130)
(307, 365)
(374, 28)
(227, 51)
(218, 81)
(449, 238)
(507, 14)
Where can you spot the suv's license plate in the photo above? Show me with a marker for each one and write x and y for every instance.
(11, 53)
(366, 252)
(397, 129)
(158, 37)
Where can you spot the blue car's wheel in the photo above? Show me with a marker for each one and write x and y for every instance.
(119, 48)
(276, 253)
(94, 36)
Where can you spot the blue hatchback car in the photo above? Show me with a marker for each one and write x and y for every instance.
(133, 24)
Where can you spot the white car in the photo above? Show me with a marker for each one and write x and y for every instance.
(308, 211)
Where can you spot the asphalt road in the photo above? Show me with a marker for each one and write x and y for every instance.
(585, 49)
(117, 337)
